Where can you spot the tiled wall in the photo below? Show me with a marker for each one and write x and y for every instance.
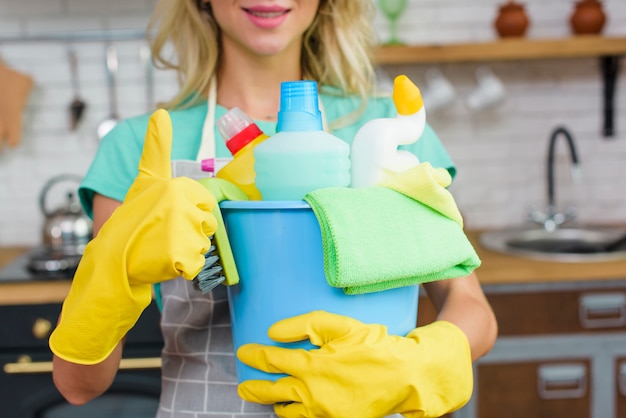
(500, 152)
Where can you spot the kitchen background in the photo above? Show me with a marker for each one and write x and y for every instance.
(500, 151)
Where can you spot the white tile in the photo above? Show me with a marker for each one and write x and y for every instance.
(9, 26)
(65, 24)
(114, 7)
(30, 7)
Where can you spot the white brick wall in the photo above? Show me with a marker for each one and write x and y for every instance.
(500, 153)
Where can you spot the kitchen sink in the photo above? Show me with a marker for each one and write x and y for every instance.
(565, 244)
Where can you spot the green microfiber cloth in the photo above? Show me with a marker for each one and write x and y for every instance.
(404, 232)
(427, 185)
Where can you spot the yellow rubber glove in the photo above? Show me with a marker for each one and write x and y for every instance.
(159, 232)
(359, 370)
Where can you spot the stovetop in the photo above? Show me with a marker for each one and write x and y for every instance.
(58, 269)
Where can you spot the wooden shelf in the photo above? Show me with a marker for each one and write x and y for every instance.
(504, 49)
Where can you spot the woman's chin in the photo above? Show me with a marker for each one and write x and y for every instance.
(268, 48)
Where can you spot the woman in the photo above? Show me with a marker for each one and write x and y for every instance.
(227, 53)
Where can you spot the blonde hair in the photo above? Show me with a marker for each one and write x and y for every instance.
(337, 47)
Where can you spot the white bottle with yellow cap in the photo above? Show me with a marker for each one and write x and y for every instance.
(374, 153)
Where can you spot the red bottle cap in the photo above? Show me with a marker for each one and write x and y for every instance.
(240, 140)
(237, 129)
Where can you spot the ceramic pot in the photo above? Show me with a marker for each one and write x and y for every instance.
(588, 17)
(512, 20)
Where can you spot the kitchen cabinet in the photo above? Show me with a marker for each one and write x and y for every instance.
(26, 386)
(555, 320)
(561, 351)
(561, 389)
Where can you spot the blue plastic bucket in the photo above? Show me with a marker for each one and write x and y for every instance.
(277, 247)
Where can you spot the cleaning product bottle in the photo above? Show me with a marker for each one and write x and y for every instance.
(241, 135)
(374, 152)
(301, 156)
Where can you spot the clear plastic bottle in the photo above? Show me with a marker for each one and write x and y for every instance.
(241, 135)
(301, 156)
(374, 152)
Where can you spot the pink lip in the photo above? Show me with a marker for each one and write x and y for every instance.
(266, 17)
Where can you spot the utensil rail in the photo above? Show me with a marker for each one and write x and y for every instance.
(77, 36)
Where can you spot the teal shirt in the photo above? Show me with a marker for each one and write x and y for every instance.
(114, 167)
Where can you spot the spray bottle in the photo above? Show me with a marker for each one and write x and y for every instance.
(301, 156)
(241, 135)
(374, 151)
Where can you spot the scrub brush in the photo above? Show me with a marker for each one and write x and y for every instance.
(219, 265)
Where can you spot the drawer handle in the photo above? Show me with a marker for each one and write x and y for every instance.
(41, 328)
(622, 379)
(605, 310)
(562, 381)
(25, 365)
(140, 363)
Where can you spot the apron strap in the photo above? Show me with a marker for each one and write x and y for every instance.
(207, 146)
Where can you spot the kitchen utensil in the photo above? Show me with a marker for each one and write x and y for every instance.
(78, 105)
(489, 91)
(44, 262)
(439, 91)
(111, 67)
(15, 88)
(66, 229)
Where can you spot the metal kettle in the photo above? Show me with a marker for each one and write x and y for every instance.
(66, 229)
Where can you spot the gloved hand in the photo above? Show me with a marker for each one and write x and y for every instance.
(159, 232)
(359, 370)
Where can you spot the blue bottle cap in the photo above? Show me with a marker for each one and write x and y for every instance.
(299, 107)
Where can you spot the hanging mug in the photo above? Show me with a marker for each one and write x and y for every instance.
(489, 91)
(439, 91)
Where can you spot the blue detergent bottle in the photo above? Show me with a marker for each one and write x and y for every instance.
(301, 156)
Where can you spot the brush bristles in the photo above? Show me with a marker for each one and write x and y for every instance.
(211, 274)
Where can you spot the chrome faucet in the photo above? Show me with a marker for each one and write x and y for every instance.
(552, 218)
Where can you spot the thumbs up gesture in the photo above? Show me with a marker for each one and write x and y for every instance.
(164, 222)
(161, 231)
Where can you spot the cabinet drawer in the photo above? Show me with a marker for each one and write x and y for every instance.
(29, 326)
(550, 312)
(559, 312)
(534, 389)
